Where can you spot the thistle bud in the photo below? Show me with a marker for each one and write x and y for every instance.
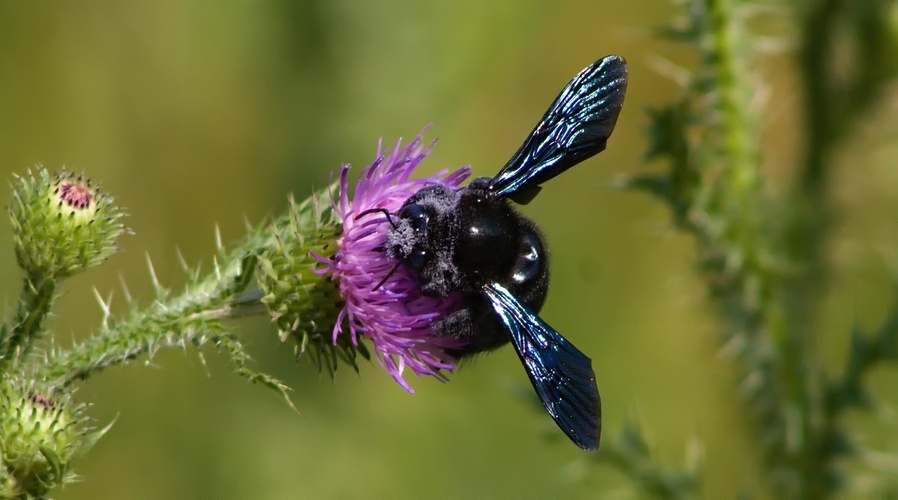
(62, 224)
(40, 435)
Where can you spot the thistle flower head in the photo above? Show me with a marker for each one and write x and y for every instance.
(40, 434)
(62, 223)
(383, 301)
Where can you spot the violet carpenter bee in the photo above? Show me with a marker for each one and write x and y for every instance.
(472, 242)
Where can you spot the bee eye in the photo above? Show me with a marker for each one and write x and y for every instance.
(417, 259)
(416, 215)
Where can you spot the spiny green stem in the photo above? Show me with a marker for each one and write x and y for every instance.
(197, 316)
(38, 293)
(765, 265)
(194, 317)
(751, 298)
(791, 369)
(736, 238)
(736, 126)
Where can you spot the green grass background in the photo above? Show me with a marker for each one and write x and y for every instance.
(204, 113)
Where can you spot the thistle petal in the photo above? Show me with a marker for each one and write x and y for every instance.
(383, 300)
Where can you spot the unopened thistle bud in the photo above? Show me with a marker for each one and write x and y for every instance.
(40, 435)
(62, 223)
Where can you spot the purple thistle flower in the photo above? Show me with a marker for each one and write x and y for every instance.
(384, 302)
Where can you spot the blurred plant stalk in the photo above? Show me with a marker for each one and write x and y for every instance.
(763, 257)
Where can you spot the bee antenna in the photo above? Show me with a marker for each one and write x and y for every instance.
(384, 211)
(385, 278)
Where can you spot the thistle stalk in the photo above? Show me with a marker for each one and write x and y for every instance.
(763, 256)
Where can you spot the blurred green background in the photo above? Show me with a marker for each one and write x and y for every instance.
(204, 113)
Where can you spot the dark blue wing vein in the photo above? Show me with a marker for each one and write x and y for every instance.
(561, 375)
(575, 127)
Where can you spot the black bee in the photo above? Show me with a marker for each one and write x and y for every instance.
(471, 241)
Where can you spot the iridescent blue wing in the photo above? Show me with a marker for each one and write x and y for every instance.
(560, 373)
(575, 127)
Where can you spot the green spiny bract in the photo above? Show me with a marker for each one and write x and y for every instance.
(62, 224)
(303, 304)
(41, 433)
